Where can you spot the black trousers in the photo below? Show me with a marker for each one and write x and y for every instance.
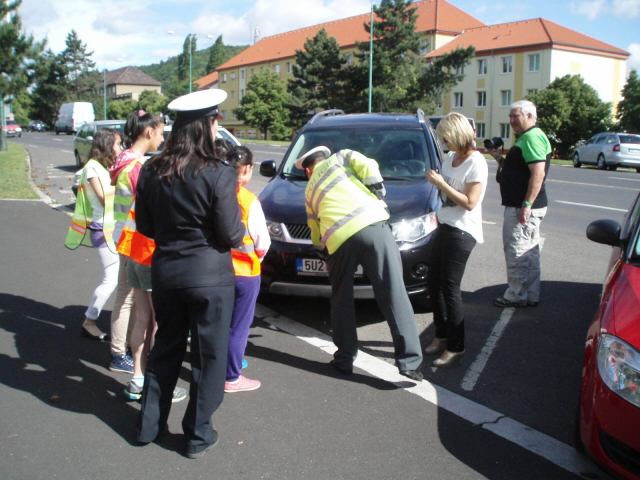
(449, 254)
(207, 312)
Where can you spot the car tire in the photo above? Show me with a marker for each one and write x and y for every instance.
(602, 164)
(57, 132)
(638, 170)
(78, 160)
(576, 160)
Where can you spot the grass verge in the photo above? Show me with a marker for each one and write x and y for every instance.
(14, 174)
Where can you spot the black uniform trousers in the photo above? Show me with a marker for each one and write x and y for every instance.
(207, 312)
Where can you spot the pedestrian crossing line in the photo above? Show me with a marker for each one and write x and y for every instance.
(592, 206)
(552, 450)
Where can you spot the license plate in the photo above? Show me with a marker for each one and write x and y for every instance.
(634, 150)
(316, 267)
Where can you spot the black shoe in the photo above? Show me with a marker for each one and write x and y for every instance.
(415, 375)
(342, 370)
(193, 455)
(103, 337)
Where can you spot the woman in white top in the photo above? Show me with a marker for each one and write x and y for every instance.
(462, 185)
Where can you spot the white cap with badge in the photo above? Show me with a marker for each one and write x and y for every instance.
(324, 150)
(203, 103)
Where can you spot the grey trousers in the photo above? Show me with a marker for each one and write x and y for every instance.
(375, 249)
(522, 254)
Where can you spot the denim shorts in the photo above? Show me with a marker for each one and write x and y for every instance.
(139, 276)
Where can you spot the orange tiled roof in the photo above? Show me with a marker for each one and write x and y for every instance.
(527, 33)
(206, 81)
(433, 16)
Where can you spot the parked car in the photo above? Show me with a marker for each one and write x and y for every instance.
(83, 140)
(13, 129)
(35, 126)
(435, 120)
(609, 412)
(609, 150)
(404, 146)
(72, 116)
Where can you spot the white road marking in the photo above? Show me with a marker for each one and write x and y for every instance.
(33, 146)
(556, 452)
(57, 139)
(627, 179)
(472, 375)
(550, 180)
(593, 206)
(66, 151)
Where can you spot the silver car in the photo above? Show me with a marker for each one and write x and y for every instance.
(609, 150)
(84, 139)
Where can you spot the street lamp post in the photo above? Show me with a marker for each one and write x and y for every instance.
(104, 91)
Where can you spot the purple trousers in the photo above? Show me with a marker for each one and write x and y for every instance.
(244, 307)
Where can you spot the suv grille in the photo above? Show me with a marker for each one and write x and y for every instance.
(298, 231)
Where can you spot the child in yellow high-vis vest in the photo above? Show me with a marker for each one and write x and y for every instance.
(246, 263)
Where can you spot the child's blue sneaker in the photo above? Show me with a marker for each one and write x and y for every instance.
(245, 364)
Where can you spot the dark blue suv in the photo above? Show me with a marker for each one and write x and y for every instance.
(404, 146)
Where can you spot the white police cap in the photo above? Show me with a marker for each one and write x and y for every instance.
(321, 149)
(203, 103)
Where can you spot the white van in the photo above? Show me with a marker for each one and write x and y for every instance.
(72, 116)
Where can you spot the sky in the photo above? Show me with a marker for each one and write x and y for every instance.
(122, 33)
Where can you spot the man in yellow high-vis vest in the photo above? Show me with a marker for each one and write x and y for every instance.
(349, 227)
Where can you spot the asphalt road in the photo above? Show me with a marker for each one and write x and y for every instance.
(515, 394)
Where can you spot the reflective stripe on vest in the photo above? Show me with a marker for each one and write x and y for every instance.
(245, 261)
(132, 243)
(123, 195)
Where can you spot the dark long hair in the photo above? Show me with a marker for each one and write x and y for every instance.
(102, 146)
(191, 145)
(136, 124)
(239, 156)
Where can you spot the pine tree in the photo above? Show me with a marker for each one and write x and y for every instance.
(52, 87)
(18, 55)
(78, 62)
(217, 57)
(629, 107)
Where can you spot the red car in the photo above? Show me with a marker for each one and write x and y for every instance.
(609, 422)
(13, 129)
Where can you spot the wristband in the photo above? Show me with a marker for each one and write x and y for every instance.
(526, 204)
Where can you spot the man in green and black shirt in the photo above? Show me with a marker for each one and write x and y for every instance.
(521, 176)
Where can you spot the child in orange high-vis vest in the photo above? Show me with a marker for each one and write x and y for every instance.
(246, 263)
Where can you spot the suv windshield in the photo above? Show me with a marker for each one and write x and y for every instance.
(399, 153)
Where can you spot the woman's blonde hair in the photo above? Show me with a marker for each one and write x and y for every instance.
(457, 130)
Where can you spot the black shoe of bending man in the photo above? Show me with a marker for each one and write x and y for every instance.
(341, 369)
(189, 453)
(415, 375)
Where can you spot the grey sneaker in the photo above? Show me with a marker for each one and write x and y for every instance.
(179, 394)
(132, 391)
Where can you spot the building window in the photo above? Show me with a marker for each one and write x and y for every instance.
(241, 74)
(534, 62)
(457, 100)
(505, 131)
(506, 97)
(288, 67)
(224, 78)
(482, 99)
(482, 67)
(480, 130)
(253, 70)
(460, 70)
(507, 64)
(424, 47)
(233, 95)
(224, 113)
(276, 68)
(233, 76)
(233, 115)
(241, 94)
(531, 91)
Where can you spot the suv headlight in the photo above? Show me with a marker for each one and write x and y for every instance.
(619, 367)
(414, 229)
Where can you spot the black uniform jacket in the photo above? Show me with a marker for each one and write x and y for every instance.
(194, 224)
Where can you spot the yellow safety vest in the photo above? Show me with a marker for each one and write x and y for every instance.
(123, 196)
(338, 203)
(132, 243)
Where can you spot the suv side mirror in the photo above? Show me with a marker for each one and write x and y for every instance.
(605, 231)
(268, 168)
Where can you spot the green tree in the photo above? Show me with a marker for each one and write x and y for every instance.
(183, 59)
(441, 75)
(18, 56)
(574, 112)
(317, 83)
(21, 105)
(120, 109)
(264, 105)
(629, 107)
(79, 64)
(217, 56)
(152, 101)
(51, 89)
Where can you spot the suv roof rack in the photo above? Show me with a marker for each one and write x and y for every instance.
(421, 117)
(326, 113)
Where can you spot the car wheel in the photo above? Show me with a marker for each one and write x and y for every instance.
(78, 160)
(601, 163)
(57, 132)
(638, 170)
(576, 160)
